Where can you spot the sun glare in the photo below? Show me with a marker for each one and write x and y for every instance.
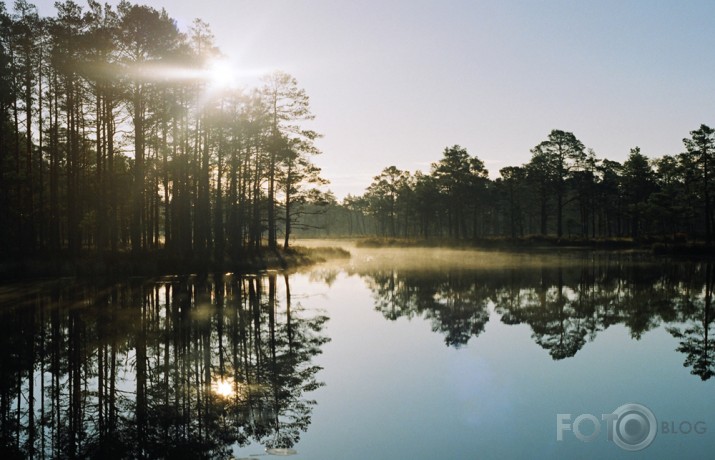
(221, 74)
(223, 387)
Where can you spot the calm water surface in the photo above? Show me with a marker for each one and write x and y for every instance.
(414, 354)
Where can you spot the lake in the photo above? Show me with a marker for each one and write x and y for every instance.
(395, 353)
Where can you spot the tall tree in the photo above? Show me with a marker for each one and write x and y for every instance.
(426, 193)
(539, 176)
(562, 154)
(146, 37)
(638, 184)
(669, 202)
(461, 178)
(513, 180)
(382, 197)
(26, 34)
(99, 70)
(288, 105)
(701, 148)
(298, 173)
(7, 95)
(204, 51)
(67, 55)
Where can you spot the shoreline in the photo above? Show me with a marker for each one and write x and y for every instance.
(158, 263)
(307, 253)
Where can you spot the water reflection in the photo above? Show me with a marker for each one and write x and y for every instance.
(695, 335)
(565, 305)
(176, 368)
(455, 303)
(190, 367)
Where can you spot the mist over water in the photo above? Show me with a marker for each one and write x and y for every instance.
(425, 259)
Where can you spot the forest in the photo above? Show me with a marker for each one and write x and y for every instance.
(563, 193)
(118, 136)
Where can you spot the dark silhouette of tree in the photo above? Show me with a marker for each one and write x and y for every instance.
(540, 180)
(584, 185)
(512, 181)
(670, 203)
(638, 184)
(460, 177)
(146, 37)
(25, 33)
(562, 154)
(287, 105)
(426, 195)
(701, 150)
(382, 195)
(297, 173)
(609, 197)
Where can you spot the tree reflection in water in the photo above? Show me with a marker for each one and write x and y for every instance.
(175, 368)
(565, 306)
(696, 334)
(455, 303)
(190, 367)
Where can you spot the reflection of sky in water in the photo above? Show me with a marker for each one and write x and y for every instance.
(394, 390)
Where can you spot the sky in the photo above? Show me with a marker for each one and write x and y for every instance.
(394, 82)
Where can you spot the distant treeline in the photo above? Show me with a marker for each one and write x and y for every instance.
(563, 191)
(115, 134)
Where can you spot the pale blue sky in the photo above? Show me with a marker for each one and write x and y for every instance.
(394, 82)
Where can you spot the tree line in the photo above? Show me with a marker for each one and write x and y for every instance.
(563, 191)
(115, 136)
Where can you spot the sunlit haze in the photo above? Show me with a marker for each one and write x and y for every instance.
(395, 82)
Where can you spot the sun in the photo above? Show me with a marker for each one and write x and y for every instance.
(221, 75)
(223, 387)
